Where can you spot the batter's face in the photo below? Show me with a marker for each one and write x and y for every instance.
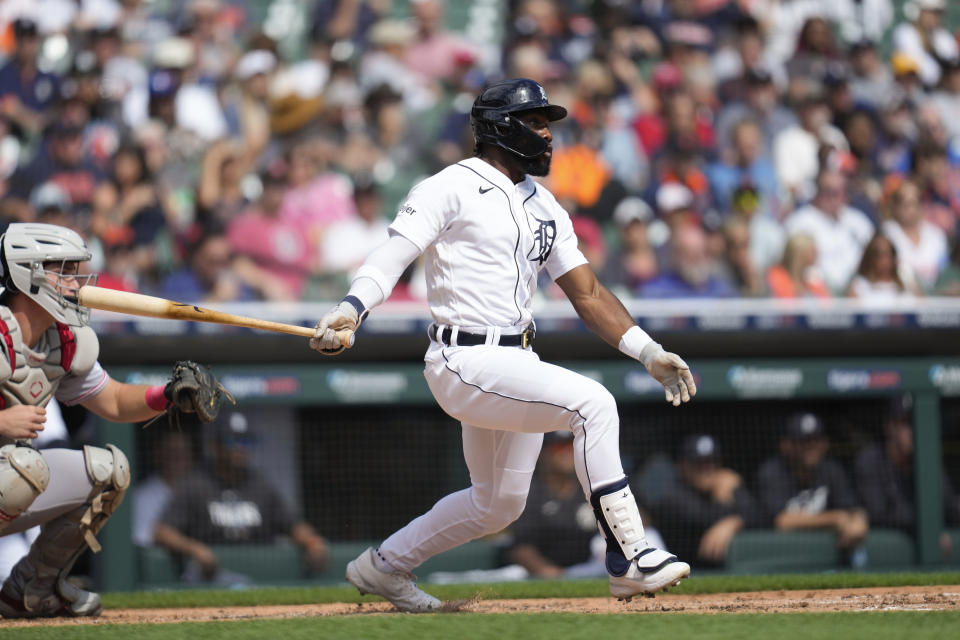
(540, 124)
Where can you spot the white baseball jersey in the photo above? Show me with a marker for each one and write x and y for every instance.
(484, 241)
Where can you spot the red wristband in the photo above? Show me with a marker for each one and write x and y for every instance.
(155, 398)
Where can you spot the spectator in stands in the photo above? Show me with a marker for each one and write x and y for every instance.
(802, 489)
(348, 242)
(925, 39)
(872, 82)
(62, 161)
(760, 105)
(767, 237)
(634, 261)
(220, 196)
(689, 270)
(51, 204)
(119, 270)
(273, 255)
(435, 52)
(797, 275)
(939, 186)
(127, 201)
(208, 275)
(230, 502)
(839, 231)
(738, 266)
(707, 505)
(744, 164)
(172, 461)
(26, 93)
(885, 481)
(797, 149)
(946, 99)
(878, 277)
(815, 49)
(920, 244)
(948, 282)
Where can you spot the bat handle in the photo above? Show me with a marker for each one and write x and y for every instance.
(346, 337)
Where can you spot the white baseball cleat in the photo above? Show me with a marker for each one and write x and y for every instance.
(399, 587)
(652, 571)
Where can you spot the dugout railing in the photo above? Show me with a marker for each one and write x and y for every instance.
(743, 401)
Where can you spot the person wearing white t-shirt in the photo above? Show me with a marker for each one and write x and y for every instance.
(839, 231)
(486, 229)
(921, 245)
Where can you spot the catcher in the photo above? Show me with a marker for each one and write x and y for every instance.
(47, 350)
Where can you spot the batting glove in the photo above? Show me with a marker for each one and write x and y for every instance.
(343, 316)
(671, 371)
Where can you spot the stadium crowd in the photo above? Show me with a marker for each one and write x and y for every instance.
(714, 148)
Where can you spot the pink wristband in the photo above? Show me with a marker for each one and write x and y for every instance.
(155, 398)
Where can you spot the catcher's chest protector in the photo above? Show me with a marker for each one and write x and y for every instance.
(31, 376)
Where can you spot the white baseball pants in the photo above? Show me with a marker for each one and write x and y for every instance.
(69, 488)
(506, 399)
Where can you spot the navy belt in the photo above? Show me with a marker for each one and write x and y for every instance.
(465, 339)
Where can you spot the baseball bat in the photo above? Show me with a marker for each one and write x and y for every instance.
(140, 305)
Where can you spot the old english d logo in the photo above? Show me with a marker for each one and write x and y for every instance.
(543, 237)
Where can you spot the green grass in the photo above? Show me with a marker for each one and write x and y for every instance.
(470, 626)
(532, 589)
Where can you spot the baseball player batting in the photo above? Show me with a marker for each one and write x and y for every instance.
(486, 229)
(47, 350)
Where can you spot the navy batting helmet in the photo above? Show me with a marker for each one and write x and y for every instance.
(491, 118)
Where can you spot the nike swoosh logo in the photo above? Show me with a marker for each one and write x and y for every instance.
(482, 190)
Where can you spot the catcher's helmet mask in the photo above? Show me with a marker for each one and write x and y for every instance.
(26, 252)
(493, 120)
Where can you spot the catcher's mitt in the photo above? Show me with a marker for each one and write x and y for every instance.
(194, 389)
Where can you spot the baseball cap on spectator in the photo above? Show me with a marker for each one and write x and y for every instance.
(900, 407)
(390, 32)
(49, 196)
(700, 447)
(666, 76)
(173, 53)
(758, 77)
(253, 63)
(291, 113)
(862, 44)
(835, 76)
(162, 84)
(924, 5)
(233, 429)
(61, 130)
(24, 28)
(632, 209)
(673, 196)
(105, 31)
(903, 64)
(803, 426)
(688, 33)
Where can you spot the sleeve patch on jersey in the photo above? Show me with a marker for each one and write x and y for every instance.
(8, 340)
(543, 238)
(68, 346)
(406, 209)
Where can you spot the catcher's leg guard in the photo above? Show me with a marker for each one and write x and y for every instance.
(23, 476)
(634, 566)
(37, 587)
